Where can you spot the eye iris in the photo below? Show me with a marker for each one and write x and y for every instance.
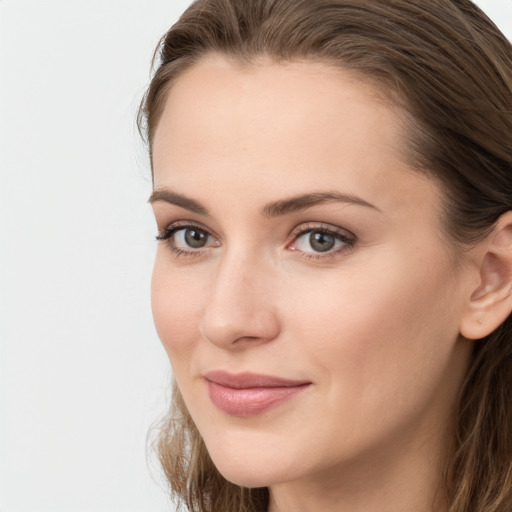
(321, 242)
(195, 238)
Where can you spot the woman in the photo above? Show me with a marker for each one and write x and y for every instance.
(333, 193)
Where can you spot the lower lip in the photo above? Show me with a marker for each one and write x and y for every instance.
(247, 402)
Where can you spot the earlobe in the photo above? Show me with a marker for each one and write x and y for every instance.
(490, 302)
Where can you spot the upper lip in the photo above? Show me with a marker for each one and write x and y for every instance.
(250, 380)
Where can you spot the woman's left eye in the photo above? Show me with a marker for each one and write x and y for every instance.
(320, 241)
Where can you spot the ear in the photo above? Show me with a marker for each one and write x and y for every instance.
(490, 302)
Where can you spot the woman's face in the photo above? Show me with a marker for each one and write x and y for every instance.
(303, 289)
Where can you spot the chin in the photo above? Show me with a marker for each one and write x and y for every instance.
(249, 469)
(248, 476)
(247, 479)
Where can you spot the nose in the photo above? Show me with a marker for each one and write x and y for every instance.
(239, 309)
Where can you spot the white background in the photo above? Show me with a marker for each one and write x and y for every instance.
(82, 373)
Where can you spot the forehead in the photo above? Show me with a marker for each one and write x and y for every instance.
(266, 91)
(303, 125)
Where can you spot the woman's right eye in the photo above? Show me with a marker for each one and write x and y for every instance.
(188, 239)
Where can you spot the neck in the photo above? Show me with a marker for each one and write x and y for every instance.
(406, 478)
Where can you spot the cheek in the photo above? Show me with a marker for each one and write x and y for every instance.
(384, 326)
(176, 302)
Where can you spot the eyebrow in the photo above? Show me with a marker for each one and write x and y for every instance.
(274, 209)
(305, 201)
(176, 199)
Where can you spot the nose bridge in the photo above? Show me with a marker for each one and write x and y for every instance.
(235, 276)
(240, 306)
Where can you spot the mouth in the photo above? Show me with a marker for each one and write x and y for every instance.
(245, 395)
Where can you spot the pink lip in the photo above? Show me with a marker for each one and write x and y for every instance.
(248, 394)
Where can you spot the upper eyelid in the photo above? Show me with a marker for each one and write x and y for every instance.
(306, 227)
(183, 224)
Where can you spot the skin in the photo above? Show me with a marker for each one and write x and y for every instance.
(373, 324)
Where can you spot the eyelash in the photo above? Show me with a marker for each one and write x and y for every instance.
(347, 239)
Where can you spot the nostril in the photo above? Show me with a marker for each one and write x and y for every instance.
(241, 328)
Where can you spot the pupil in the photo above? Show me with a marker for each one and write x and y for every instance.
(195, 238)
(321, 242)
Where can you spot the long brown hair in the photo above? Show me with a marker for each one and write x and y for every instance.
(450, 68)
